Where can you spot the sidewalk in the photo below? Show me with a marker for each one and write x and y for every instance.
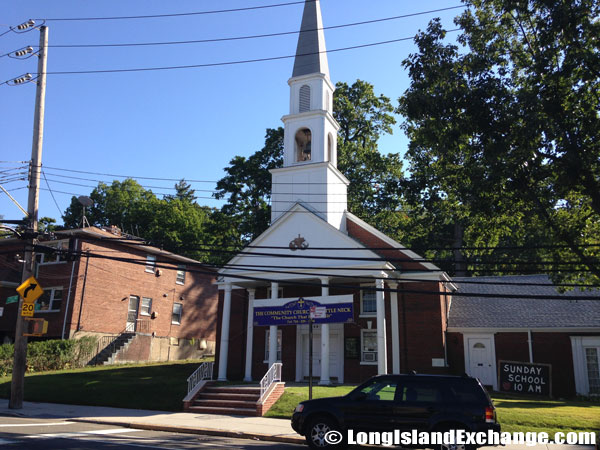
(256, 428)
(261, 428)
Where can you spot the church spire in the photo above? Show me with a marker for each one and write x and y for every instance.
(311, 56)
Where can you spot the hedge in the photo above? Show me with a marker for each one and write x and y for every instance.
(50, 355)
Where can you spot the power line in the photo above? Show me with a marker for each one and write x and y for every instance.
(401, 249)
(257, 36)
(52, 193)
(196, 13)
(208, 270)
(229, 63)
(135, 177)
(400, 261)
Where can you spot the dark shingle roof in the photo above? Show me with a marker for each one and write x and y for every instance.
(478, 310)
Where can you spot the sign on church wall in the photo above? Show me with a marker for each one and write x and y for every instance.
(339, 309)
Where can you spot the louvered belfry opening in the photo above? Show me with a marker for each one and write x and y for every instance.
(304, 98)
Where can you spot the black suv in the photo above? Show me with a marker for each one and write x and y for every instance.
(425, 403)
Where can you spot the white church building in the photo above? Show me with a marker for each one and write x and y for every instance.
(315, 250)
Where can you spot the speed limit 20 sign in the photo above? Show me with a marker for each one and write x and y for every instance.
(27, 309)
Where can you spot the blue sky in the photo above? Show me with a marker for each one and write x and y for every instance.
(186, 123)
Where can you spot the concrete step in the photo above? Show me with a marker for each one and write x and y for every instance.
(227, 411)
(225, 403)
(232, 390)
(205, 395)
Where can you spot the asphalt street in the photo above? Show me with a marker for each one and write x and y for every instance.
(46, 434)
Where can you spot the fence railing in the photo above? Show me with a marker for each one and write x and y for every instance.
(204, 372)
(273, 375)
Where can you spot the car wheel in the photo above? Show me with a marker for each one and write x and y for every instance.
(453, 446)
(324, 433)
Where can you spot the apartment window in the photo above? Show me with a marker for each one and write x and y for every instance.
(176, 315)
(368, 302)
(150, 263)
(267, 336)
(146, 306)
(52, 258)
(180, 274)
(368, 345)
(51, 300)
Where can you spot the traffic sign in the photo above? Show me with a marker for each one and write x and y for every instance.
(30, 290)
(27, 309)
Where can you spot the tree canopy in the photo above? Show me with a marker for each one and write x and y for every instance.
(176, 223)
(504, 130)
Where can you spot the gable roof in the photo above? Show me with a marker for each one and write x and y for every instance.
(373, 238)
(496, 305)
(271, 249)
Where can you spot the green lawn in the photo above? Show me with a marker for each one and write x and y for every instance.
(149, 386)
(514, 413)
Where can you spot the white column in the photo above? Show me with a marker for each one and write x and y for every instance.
(325, 340)
(224, 347)
(249, 335)
(381, 341)
(395, 328)
(273, 329)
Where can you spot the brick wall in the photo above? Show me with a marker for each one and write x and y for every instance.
(99, 298)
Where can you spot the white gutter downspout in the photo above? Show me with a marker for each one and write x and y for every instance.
(69, 294)
(530, 341)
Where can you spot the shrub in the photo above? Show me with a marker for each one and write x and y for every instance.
(50, 355)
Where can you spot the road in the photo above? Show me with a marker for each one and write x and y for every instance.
(56, 434)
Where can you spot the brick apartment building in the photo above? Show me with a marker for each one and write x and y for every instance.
(156, 300)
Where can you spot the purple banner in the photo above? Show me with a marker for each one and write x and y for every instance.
(297, 312)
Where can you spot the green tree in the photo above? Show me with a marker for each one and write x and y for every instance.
(506, 127)
(374, 190)
(176, 223)
(247, 187)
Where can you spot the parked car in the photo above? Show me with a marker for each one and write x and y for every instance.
(425, 403)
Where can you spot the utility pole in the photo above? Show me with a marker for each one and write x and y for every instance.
(20, 357)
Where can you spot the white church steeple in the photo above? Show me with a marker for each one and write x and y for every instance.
(309, 175)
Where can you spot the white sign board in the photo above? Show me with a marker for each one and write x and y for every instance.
(318, 312)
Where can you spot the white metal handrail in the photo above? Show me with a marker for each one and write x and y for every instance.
(273, 375)
(204, 372)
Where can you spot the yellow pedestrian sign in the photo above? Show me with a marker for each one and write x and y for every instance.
(30, 290)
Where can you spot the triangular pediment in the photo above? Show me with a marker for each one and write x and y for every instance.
(301, 242)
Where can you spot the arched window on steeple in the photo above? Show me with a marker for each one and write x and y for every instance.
(330, 148)
(303, 145)
(304, 98)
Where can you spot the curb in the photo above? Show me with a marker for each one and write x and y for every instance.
(204, 431)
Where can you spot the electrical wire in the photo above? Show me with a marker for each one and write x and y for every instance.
(258, 36)
(229, 63)
(321, 273)
(401, 249)
(556, 265)
(204, 269)
(196, 13)
(52, 194)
